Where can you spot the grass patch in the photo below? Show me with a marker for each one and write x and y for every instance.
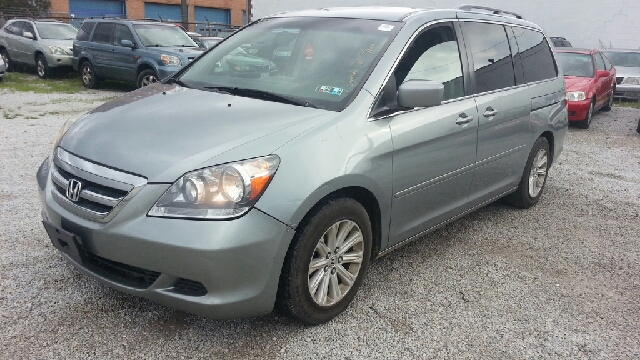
(629, 104)
(66, 84)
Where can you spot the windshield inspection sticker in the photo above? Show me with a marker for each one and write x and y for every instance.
(330, 90)
(385, 27)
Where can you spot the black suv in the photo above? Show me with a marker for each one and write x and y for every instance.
(140, 52)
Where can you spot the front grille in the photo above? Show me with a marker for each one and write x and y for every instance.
(118, 272)
(619, 80)
(100, 192)
(189, 287)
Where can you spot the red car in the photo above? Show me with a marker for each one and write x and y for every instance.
(590, 80)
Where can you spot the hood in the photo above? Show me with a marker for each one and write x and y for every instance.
(575, 83)
(163, 131)
(622, 71)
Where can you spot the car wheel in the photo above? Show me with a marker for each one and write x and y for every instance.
(6, 59)
(326, 262)
(88, 75)
(609, 104)
(533, 178)
(584, 124)
(146, 78)
(42, 68)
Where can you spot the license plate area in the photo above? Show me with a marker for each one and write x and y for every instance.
(64, 241)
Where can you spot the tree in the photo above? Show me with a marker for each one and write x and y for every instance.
(25, 7)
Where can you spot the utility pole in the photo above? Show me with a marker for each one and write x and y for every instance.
(248, 12)
(185, 14)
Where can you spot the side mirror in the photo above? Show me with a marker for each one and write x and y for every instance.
(28, 35)
(602, 73)
(420, 93)
(127, 43)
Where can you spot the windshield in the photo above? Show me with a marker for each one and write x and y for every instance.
(624, 59)
(163, 36)
(574, 64)
(317, 61)
(56, 31)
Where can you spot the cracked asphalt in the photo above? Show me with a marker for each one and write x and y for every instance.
(560, 280)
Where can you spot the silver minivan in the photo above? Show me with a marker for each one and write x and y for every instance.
(272, 170)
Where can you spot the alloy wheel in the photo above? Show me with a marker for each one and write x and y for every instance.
(87, 75)
(538, 173)
(40, 68)
(148, 80)
(336, 262)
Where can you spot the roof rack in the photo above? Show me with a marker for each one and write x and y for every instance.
(490, 9)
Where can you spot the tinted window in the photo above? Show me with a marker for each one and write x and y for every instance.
(435, 56)
(85, 30)
(515, 56)
(599, 62)
(102, 34)
(607, 64)
(15, 28)
(491, 56)
(122, 33)
(28, 28)
(575, 64)
(535, 54)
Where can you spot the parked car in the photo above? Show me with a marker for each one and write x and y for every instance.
(279, 190)
(627, 63)
(560, 41)
(3, 68)
(591, 82)
(45, 44)
(138, 52)
(207, 42)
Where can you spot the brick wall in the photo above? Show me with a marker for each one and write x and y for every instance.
(60, 6)
(590, 24)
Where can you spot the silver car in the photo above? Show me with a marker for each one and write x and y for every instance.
(3, 68)
(627, 63)
(228, 190)
(44, 44)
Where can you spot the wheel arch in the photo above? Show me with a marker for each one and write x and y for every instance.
(144, 66)
(551, 140)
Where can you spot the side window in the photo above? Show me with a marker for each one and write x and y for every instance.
(535, 54)
(103, 32)
(434, 55)
(515, 56)
(599, 62)
(85, 31)
(15, 28)
(492, 63)
(120, 33)
(28, 28)
(607, 64)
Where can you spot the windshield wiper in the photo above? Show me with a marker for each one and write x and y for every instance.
(177, 82)
(260, 94)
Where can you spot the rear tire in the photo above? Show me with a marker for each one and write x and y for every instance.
(584, 124)
(534, 177)
(6, 59)
(88, 76)
(326, 262)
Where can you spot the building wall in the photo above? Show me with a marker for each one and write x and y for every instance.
(590, 24)
(135, 8)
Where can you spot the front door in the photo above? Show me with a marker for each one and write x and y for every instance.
(124, 58)
(434, 148)
(102, 50)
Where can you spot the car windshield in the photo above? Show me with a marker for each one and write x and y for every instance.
(316, 62)
(574, 64)
(623, 58)
(56, 31)
(163, 36)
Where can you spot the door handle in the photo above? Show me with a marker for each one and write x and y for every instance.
(490, 112)
(463, 119)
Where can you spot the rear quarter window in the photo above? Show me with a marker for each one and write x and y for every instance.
(535, 55)
(85, 31)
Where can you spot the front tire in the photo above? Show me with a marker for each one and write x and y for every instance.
(326, 262)
(6, 59)
(88, 76)
(533, 178)
(584, 124)
(146, 78)
(42, 67)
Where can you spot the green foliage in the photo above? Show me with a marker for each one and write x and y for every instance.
(25, 7)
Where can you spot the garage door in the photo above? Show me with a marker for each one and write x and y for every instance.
(163, 12)
(96, 8)
(203, 14)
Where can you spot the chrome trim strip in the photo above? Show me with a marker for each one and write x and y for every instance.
(98, 170)
(100, 199)
(80, 211)
(417, 236)
(455, 173)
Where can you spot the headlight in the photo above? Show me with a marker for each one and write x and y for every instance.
(170, 60)
(575, 96)
(57, 50)
(631, 81)
(219, 192)
(64, 128)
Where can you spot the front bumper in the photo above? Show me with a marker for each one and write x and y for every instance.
(234, 266)
(625, 91)
(166, 71)
(578, 109)
(59, 60)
